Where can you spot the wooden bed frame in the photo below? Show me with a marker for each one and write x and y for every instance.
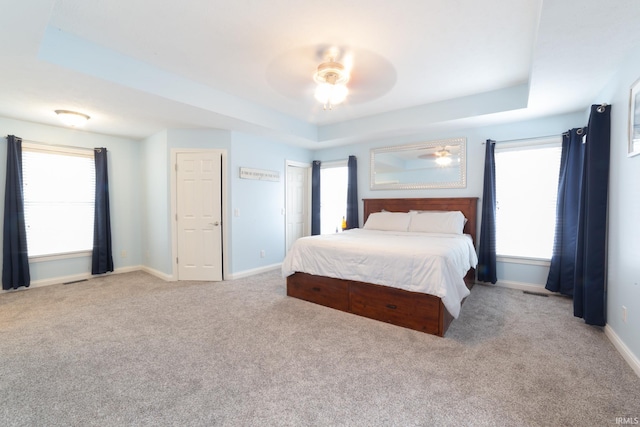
(413, 310)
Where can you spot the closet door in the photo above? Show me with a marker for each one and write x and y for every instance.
(199, 215)
(298, 213)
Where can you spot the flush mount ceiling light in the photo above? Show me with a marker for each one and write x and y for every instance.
(331, 77)
(72, 118)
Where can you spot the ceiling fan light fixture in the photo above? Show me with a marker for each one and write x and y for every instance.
(72, 118)
(331, 94)
(443, 157)
(443, 160)
(331, 77)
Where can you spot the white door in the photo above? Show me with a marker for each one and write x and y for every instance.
(298, 215)
(199, 215)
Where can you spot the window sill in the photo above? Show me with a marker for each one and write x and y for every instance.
(523, 260)
(56, 257)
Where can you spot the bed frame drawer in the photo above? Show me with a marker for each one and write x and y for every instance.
(321, 290)
(413, 310)
(399, 307)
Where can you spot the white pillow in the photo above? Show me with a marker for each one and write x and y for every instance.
(437, 222)
(388, 221)
(415, 212)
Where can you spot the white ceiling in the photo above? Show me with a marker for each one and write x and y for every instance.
(141, 66)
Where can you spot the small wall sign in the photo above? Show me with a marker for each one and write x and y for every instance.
(259, 174)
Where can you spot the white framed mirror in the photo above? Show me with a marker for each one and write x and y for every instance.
(433, 164)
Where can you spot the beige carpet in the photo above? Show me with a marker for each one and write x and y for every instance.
(130, 349)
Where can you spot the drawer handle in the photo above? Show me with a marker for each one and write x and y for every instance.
(392, 306)
(317, 289)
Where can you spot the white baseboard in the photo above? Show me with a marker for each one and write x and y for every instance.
(72, 278)
(239, 275)
(529, 287)
(146, 269)
(253, 271)
(624, 351)
(129, 269)
(58, 280)
(158, 274)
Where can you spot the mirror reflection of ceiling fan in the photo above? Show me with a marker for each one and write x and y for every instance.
(442, 156)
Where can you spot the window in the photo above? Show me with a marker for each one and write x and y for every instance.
(334, 179)
(526, 192)
(59, 193)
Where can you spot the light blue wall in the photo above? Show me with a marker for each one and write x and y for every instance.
(156, 207)
(260, 224)
(155, 160)
(624, 211)
(124, 185)
(509, 273)
(199, 138)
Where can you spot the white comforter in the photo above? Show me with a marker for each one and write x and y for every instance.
(420, 262)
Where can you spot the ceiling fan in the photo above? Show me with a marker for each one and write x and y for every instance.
(332, 76)
(442, 156)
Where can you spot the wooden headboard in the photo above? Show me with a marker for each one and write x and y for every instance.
(467, 205)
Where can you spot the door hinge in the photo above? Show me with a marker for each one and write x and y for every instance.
(176, 167)
(176, 260)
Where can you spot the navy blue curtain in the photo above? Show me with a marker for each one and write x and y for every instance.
(487, 248)
(352, 194)
(563, 261)
(589, 294)
(15, 258)
(102, 259)
(578, 265)
(315, 198)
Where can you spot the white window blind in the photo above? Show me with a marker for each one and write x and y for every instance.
(59, 193)
(526, 193)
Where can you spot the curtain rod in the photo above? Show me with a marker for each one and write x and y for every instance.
(332, 162)
(579, 132)
(600, 109)
(529, 139)
(56, 145)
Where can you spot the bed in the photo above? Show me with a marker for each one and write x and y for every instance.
(398, 303)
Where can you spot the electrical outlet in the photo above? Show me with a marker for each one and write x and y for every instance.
(624, 314)
(123, 254)
(262, 253)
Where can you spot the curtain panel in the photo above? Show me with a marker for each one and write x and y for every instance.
(563, 260)
(589, 294)
(353, 220)
(102, 258)
(578, 264)
(315, 197)
(15, 258)
(487, 247)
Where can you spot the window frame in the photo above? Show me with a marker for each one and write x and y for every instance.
(517, 145)
(331, 165)
(64, 150)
